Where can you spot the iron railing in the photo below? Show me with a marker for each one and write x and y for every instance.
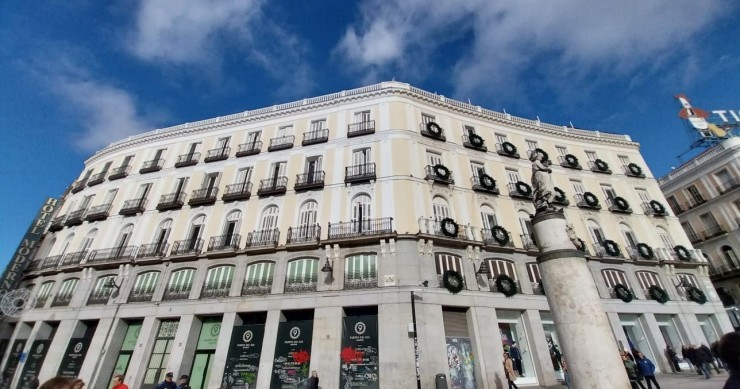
(475, 182)
(464, 232)
(273, 186)
(441, 284)
(113, 254)
(316, 136)
(424, 131)
(100, 297)
(364, 227)
(171, 201)
(151, 166)
(235, 192)
(304, 234)
(495, 239)
(224, 242)
(359, 173)
(564, 163)
(119, 172)
(188, 159)
(96, 179)
(361, 128)
(310, 180)
(187, 246)
(79, 185)
(713, 231)
(250, 148)
(41, 302)
(581, 202)
(727, 186)
(57, 223)
(99, 212)
(216, 290)
(50, 262)
(74, 218)
(492, 286)
(468, 143)
(514, 191)
(364, 281)
(139, 296)
(177, 293)
(431, 174)
(218, 154)
(62, 300)
(131, 207)
(281, 143)
(152, 250)
(74, 258)
(596, 169)
(300, 287)
(257, 289)
(263, 238)
(203, 196)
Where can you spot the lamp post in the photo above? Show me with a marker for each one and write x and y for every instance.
(416, 340)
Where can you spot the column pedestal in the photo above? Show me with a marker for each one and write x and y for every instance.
(589, 347)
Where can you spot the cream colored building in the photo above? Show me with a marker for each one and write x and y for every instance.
(338, 207)
(705, 195)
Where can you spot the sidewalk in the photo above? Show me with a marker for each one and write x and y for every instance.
(683, 380)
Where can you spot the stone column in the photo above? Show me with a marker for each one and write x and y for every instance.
(586, 338)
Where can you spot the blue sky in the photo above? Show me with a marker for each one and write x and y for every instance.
(79, 75)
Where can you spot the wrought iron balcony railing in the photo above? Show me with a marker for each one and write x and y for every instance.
(582, 203)
(441, 284)
(171, 201)
(263, 238)
(100, 297)
(300, 287)
(497, 237)
(96, 179)
(713, 232)
(359, 173)
(306, 181)
(569, 161)
(235, 192)
(475, 142)
(439, 173)
(361, 128)
(440, 228)
(75, 258)
(50, 262)
(139, 296)
(152, 250)
(614, 205)
(364, 281)
(132, 207)
(203, 196)
(224, 242)
(79, 185)
(507, 149)
(218, 154)
(519, 189)
(177, 293)
(188, 159)
(97, 213)
(215, 291)
(119, 172)
(597, 167)
(485, 184)
(273, 186)
(304, 234)
(256, 289)
(424, 131)
(41, 302)
(123, 253)
(727, 186)
(154, 165)
(357, 228)
(62, 300)
(75, 218)
(57, 223)
(281, 143)
(187, 247)
(250, 148)
(316, 136)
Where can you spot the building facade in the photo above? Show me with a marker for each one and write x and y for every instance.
(705, 195)
(317, 235)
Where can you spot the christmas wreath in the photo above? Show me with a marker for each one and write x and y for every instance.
(623, 293)
(441, 171)
(476, 140)
(696, 295)
(621, 203)
(506, 285)
(523, 188)
(452, 281)
(657, 207)
(611, 248)
(487, 182)
(508, 148)
(591, 199)
(571, 160)
(434, 129)
(560, 196)
(601, 165)
(658, 294)
(635, 169)
(500, 235)
(645, 251)
(682, 252)
(545, 156)
(449, 227)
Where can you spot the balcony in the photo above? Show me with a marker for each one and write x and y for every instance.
(484, 183)
(119, 172)
(152, 166)
(171, 201)
(560, 198)
(267, 238)
(361, 128)
(215, 291)
(132, 207)
(529, 243)
(177, 293)
(605, 249)
(439, 173)
(613, 294)
(440, 281)
(204, 196)
(114, 254)
(257, 289)
(361, 281)
(218, 154)
(40, 302)
(633, 170)
(654, 208)
(520, 189)
(507, 149)
(599, 166)
(308, 181)
(315, 137)
(100, 297)
(229, 242)
(62, 300)
(588, 201)
(281, 143)
(366, 228)
(140, 296)
(300, 287)
(359, 173)
(713, 232)
(79, 185)
(236, 192)
(98, 213)
(727, 186)
(432, 130)
(309, 235)
(493, 288)
(96, 179)
(538, 288)
(618, 205)
(455, 234)
(273, 186)
(152, 250)
(57, 223)
(187, 247)
(74, 259)
(251, 148)
(475, 142)
(50, 262)
(188, 159)
(75, 218)
(569, 161)
(497, 236)
(694, 238)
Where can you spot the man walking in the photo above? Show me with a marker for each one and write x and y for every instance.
(118, 382)
(168, 383)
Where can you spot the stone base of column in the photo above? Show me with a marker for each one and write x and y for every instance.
(587, 342)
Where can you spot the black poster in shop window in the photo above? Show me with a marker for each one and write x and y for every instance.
(243, 360)
(359, 356)
(73, 357)
(13, 359)
(292, 355)
(33, 362)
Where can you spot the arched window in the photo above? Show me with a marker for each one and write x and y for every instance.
(179, 285)
(597, 235)
(64, 295)
(269, 218)
(665, 238)
(361, 271)
(362, 212)
(218, 281)
(687, 279)
(444, 262)
(65, 245)
(525, 222)
(613, 277)
(102, 290)
(629, 236)
(497, 267)
(307, 217)
(196, 228)
(89, 238)
(302, 275)
(440, 207)
(648, 279)
(144, 287)
(163, 233)
(259, 278)
(488, 216)
(729, 255)
(124, 236)
(43, 293)
(230, 236)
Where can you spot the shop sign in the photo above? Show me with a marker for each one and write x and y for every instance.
(359, 356)
(292, 355)
(243, 359)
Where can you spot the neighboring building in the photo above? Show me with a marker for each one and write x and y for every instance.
(265, 244)
(705, 195)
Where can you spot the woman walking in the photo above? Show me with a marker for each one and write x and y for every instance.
(509, 370)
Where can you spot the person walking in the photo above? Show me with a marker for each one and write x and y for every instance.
(729, 351)
(647, 369)
(633, 372)
(516, 356)
(313, 382)
(566, 374)
(509, 371)
(712, 361)
(168, 382)
(689, 353)
(702, 359)
(673, 359)
(118, 382)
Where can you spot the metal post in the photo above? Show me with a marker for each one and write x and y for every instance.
(416, 341)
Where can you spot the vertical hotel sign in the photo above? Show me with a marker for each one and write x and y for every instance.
(13, 273)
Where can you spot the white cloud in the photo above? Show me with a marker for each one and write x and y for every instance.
(503, 39)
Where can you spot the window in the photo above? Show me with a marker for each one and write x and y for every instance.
(43, 293)
(158, 155)
(687, 280)
(665, 238)
(597, 236)
(210, 181)
(253, 137)
(277, 169)
(434, 158)
(533, 271)
(512, 176)
(259, 274)
(161, 353)
(126, 161)
(219, 278)
(312, 166)
(303, 271)
(613, 277)
(269, 218)
(144, 286)
(307, 216)
(478, 169)
(624, 160)
(192, 150)
(577, 187)
(223, 143)
(469, 130)
(591, 156)
(525, 222)
(180, 185)
(710, 223)
(143, 191)
(673, 203)
(102, 290)
(497, 267)
(123, 238)
(160, 239)
(608, 192)
(648, 279)
(88, 240)
(440, 208)
(362, 207)
(361, 156)
(85, 202)
(730, 258)
(231, 226)
(629, 236)
(531, 145)
(181, 281)
(284, 131)
(196, 229)
(500, 138)
(694, 195)
(562, 151)
(318, 125)
(445, 262)
(724, 179)
(643, 194)
(488, 216)
(361, 267)
(689, 230)
(64, 295)
(362, 117)
(110, 196)
(426, 119)
(66, 243)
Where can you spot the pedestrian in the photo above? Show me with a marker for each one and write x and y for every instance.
(729, 351)
(516, 356)
(715, 353)
(118, 382)
(168, 382)
(647, 369)
(509, 371)
(313, 382)
(566, 374)
(184, 382)
(712, 361)
(689, 353)
(703, 358)
(673, 359)
(59, 382)
(633, 373)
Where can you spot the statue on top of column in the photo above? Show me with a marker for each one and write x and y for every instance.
(541, 182)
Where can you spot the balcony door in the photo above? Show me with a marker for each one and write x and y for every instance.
(313, 165)
(161, 238)
(361, 212)
(253, 138)
(209, 182)
(180, 187)
(478, 170)
(268, 224)
(232, 223)
(196, 229)
(123, 239)
(277, 170)
(307, 219)
(597, 236)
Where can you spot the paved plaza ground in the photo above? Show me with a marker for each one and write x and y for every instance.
(684, 380)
